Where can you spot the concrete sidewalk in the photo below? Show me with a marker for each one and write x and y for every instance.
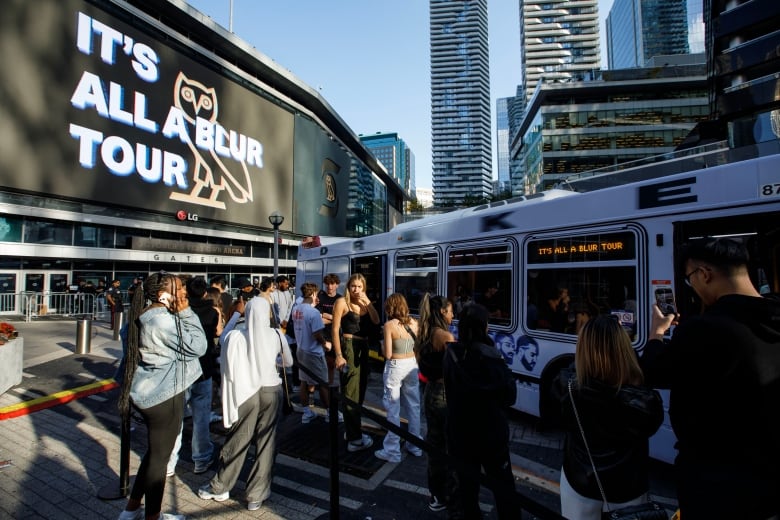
(62, 457)
(56, 461)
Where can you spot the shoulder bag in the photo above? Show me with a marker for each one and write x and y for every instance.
(647, 511)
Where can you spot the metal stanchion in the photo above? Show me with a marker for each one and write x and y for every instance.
(119, 320)
(114, 490)
(83, 336)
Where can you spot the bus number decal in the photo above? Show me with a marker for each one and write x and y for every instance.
(769, 190)
(666, 193)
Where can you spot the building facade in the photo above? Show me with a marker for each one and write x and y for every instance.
(145, 137)
(460, 101)
(743, 56)
(502, 145)
(625, 115)
(560, 41)
(638, 30)
(396, 156)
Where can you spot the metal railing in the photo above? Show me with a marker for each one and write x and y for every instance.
(31, 305)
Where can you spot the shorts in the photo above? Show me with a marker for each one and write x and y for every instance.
(315, 364)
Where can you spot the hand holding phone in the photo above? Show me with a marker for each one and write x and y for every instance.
(664, 298)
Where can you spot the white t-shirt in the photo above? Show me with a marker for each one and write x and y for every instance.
(307, 321)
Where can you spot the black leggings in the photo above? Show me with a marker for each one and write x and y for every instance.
(163, 422)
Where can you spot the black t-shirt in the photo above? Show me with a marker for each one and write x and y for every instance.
(115, 294)
(325, 306)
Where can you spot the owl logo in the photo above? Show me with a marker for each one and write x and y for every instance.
(194, 100)
(329, 206)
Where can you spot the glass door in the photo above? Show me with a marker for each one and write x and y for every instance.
(8, 295)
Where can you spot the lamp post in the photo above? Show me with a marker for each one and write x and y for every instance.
(276, 220)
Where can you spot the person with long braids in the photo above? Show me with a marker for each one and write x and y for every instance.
(164, 341)
(353, 316)
(435, 319)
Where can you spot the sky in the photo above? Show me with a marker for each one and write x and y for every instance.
(370, 59)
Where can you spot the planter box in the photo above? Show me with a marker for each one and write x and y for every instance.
(11, 356)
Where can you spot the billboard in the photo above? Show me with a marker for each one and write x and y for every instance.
(94, 109)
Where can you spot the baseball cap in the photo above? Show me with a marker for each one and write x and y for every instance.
(244, 282)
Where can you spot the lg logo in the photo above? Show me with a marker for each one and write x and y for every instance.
(182, 215)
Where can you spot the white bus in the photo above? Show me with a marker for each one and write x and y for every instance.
(611, 251)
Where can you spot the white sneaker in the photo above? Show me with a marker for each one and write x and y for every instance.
(386, 456)
(205, 492)
(138, 514)
(363, 443)
(171, 516)
(308, 416)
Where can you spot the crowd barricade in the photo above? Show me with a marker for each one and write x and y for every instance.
(64, 305)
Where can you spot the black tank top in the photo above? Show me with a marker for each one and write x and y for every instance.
(350, 323)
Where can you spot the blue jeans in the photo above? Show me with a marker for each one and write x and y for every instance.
(199, 398)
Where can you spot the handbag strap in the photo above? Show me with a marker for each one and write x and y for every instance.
(587, 448)
(409, 330)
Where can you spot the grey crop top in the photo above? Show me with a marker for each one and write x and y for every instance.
(403, 346)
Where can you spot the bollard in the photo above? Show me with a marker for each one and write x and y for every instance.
(119, 319)
(83, 336)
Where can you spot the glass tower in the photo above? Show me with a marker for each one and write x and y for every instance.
(502, 143)
(460, 101)
(638, 30)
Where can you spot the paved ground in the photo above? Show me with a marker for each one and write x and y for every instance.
(55, 462)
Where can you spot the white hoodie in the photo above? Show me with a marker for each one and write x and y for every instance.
(248, 359)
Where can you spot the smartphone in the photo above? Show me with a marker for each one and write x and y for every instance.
(664, 298)
(165, 298)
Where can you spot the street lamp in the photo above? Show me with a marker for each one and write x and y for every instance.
(276, 220)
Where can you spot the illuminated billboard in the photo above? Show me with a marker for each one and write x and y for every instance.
(95, 109)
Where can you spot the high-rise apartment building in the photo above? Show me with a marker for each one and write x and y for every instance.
(502, 144)
(396, 156)
(460, 100)
(560, 41)
(638, 30)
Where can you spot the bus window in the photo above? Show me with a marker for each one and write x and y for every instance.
(416, 274)
(566, 285)
(482, 275)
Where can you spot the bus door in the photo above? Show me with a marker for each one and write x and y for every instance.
(760, 232)
(373, 268)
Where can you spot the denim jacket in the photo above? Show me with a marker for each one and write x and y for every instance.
(167, 366)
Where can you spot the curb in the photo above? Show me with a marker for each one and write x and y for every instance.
(48, 401)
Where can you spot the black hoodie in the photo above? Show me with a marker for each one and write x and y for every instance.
(723, 369)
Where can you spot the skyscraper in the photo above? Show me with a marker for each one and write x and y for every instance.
(560, 41)
(502, 143)
(460, 100)
(638, 30)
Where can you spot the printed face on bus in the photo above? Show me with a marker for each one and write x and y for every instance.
(506, 346)
(528, 350)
